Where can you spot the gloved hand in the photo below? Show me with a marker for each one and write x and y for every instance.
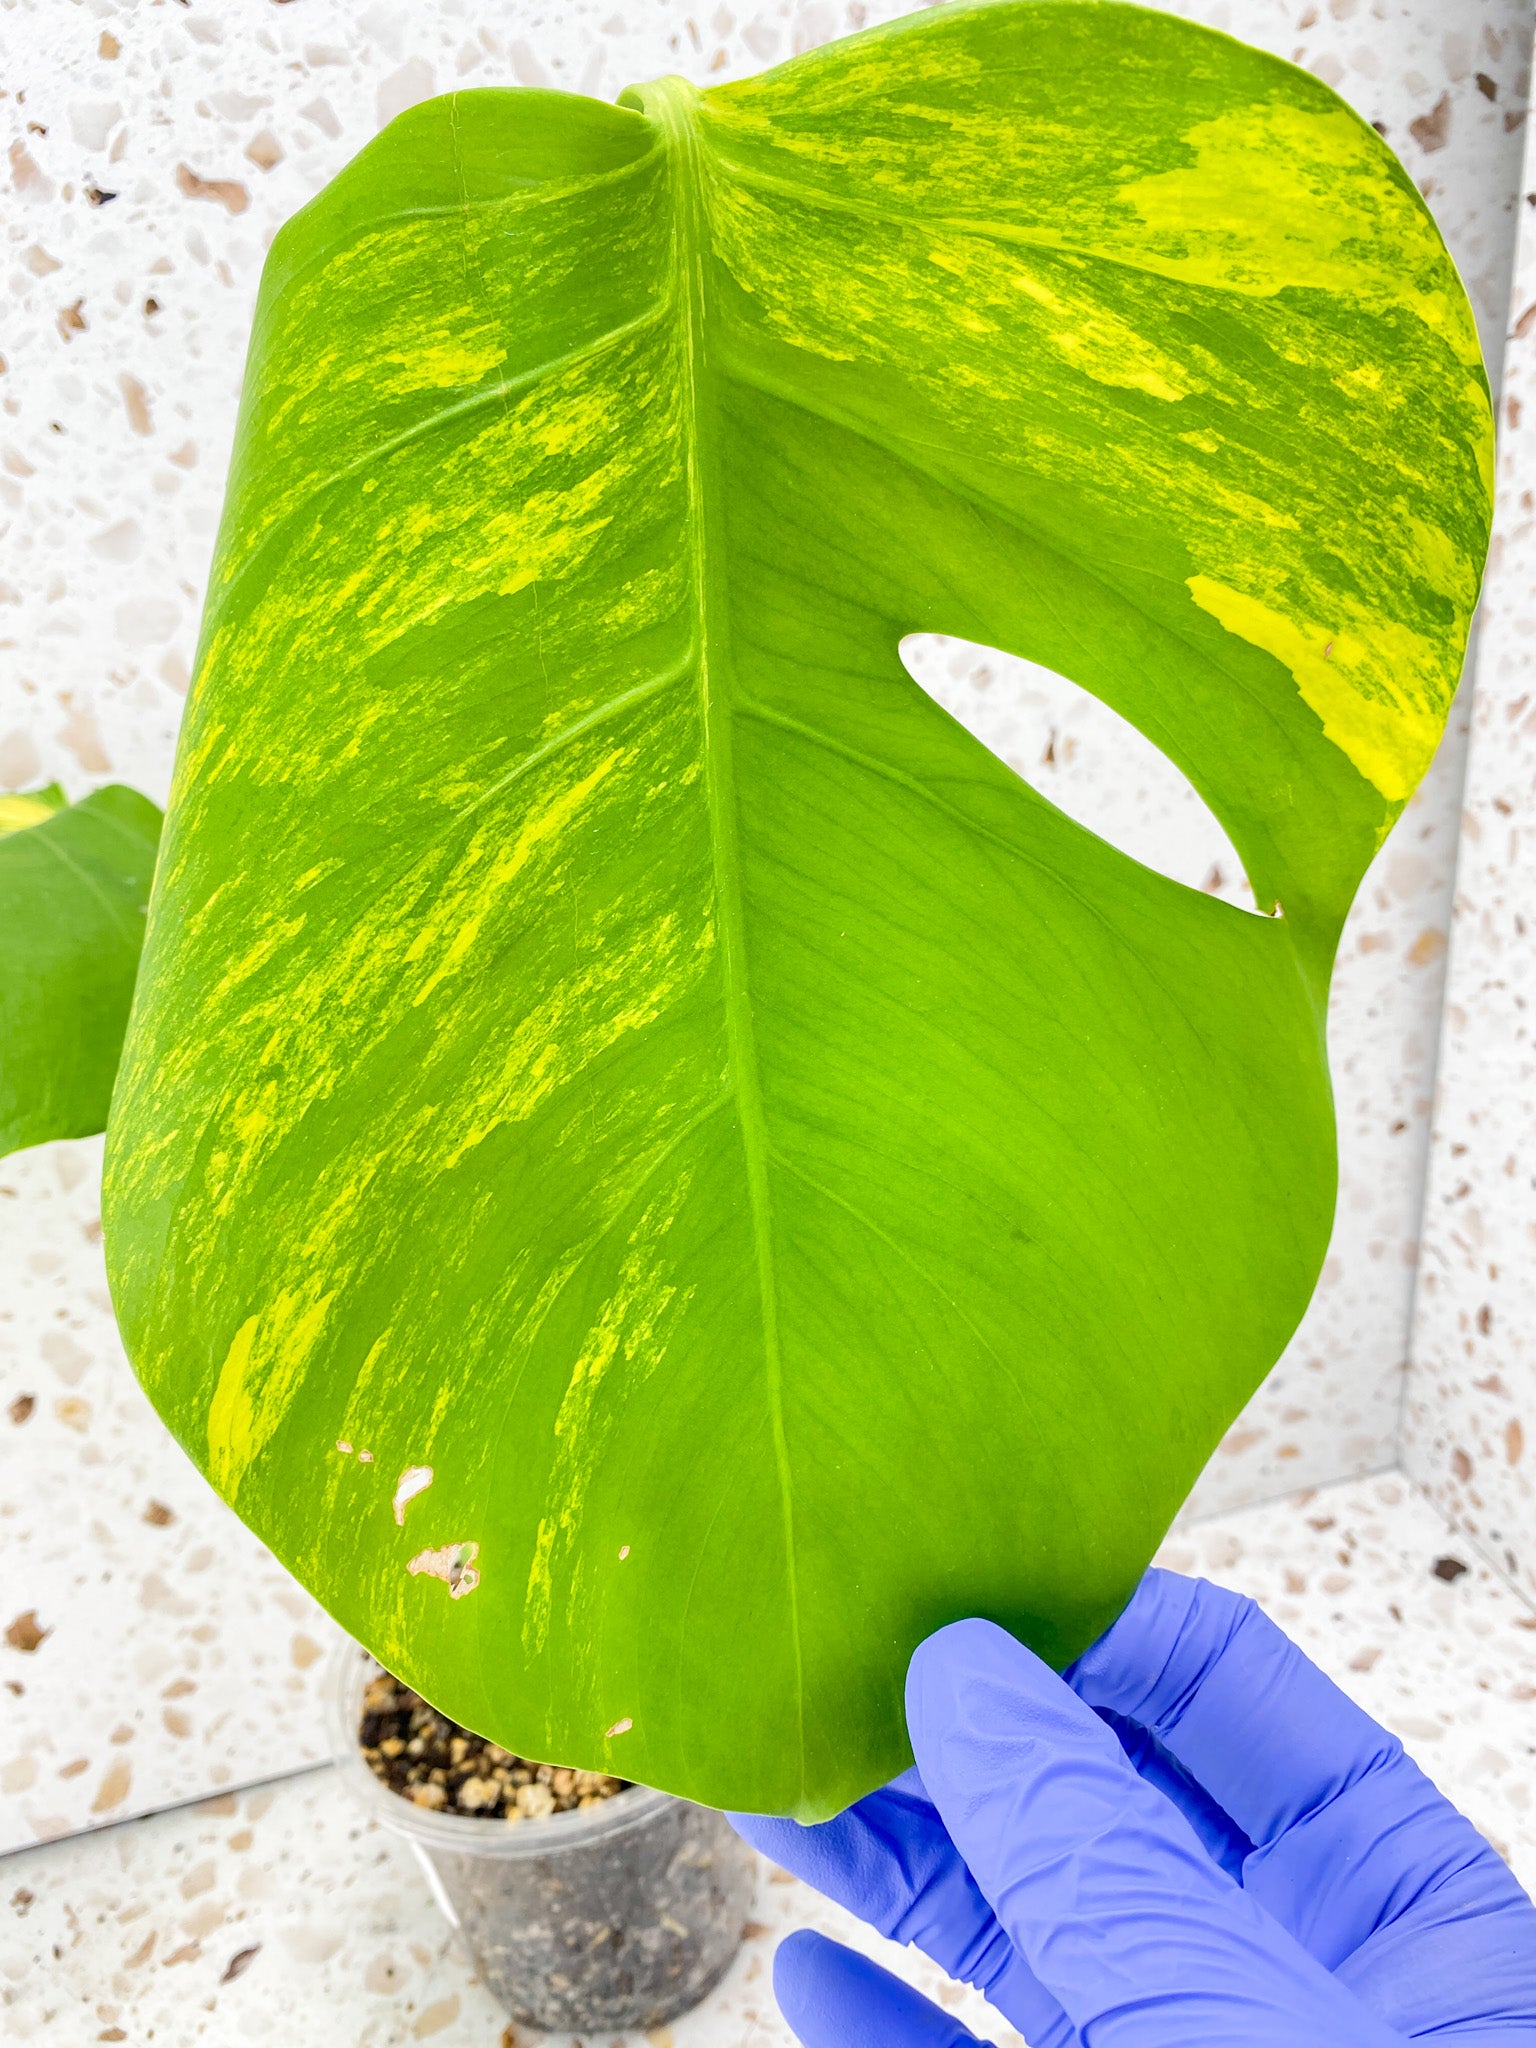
(1194, 1841)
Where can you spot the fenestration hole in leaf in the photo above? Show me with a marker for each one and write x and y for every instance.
(1088, 760)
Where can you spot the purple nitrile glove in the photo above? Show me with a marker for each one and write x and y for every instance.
(1194, 1840)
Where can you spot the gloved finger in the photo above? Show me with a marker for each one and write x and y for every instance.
(1358, 1855)
(1099, 1883)
(1217, 1833)
(889, 1860)
(1233, 1699)
(835, 1998)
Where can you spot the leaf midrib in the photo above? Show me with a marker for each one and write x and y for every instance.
(672, 103)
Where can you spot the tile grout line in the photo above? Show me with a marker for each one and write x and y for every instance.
(129, 1820)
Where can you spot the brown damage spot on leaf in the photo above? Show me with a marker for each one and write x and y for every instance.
(619, 1728)
(24, 1633)
(226, 191)
(1432, 131)
(413, 1480)
(454, 1564)
(20, 1410)
(240, 1962)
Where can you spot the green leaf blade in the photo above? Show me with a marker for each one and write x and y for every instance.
(74, 886)
(606, 1035)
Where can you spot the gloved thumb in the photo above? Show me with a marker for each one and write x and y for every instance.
(1095, 1877)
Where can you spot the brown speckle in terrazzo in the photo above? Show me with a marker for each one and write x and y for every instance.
(24, 1634)
(1432, 131)
(426, 1758)
(21, 1408)
(227, 191)
(1450, 1569)
(264, 150)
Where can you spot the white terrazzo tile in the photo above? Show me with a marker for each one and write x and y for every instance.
(200, 128)
(175, 1654)
(136, 1930)
(132, 1935)
(1471, 1412)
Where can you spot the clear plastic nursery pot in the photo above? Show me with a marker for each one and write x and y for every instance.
(620, 1915)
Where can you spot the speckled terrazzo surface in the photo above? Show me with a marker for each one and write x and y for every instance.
(1471, 1412)
(152, 150)
(174, 1655)
(284, 1914)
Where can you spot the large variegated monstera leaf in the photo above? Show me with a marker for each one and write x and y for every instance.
(650, 1167)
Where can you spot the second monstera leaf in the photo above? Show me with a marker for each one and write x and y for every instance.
(650, 1167)
(74, 884)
